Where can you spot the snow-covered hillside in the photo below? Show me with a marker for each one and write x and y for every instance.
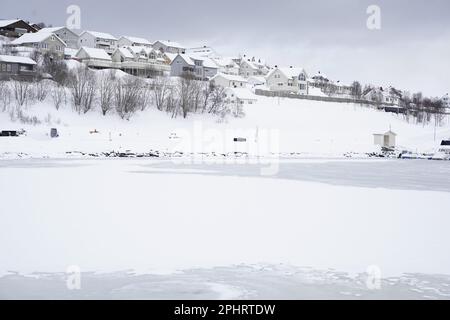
(281, 125)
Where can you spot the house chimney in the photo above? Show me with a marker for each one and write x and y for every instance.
(276, 66)
(290, 67)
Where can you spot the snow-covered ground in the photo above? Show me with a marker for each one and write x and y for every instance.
(280, 126)
(157, 217)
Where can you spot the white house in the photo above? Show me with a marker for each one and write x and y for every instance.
(204, 51)
(98, 40)
(43, 42)
(446, 101)
(293, 80)
(140, 61)
(256, 81)
(253, 67)
(387, 95)
(168, 46)
(65, 34)
(226, 65)
(229, 81)
(94, 58)
(126, 41)
(240, 96)
(202, 68)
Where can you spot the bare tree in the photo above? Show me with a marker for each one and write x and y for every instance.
(356, 90)
(5, 95)
(82, 84)
(217, 101)
(160, 91)
(106, 91)
(127, 96)
(41, 89)
(22, 92)
(58, 94)
(186, 90)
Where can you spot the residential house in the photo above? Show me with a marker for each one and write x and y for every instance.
(226, 65)
(202, 68)
(204, 51)
(94, 58)
(140, 61)
(15, 28)
(446, 101)
(229, 81)
(126, 41)
(293, 80)
(65, 34)
(169, 47)
(382, 95)
(17, 67)
(257, 81)
(42, 42)
(98, 40)
(253, 67)
(319, 80)
(239, 96)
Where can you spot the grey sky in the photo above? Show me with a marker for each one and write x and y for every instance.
(411, 51)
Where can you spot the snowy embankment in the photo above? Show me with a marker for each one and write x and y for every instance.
(280, 126)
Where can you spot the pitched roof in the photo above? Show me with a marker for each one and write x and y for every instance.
(186, 58)
(101, 35)
(95, 53)
(230, 77)
(137, 40)
(35, 38)
(126, 53)
(16, 59)
(169, 43)
(207, 62)
(288, 72)
(5, 23)
(243, 93)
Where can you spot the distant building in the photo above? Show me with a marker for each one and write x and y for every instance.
(204, 51)
(229, 81)
(239, 96)
(226, 65)
(288, 80)
(98, 40)
(140, 61)
(15, 28)
(65, 34)
(42, 42)
(201, 68)
(169, 47)
(382, 95)
(252, 67)
(385, 140)
(126, 41)
(17, 67)
(94, 58)
(446, 101)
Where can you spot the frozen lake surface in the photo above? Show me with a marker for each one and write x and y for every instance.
(156, 229)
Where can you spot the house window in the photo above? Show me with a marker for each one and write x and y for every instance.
(301, 77)
(8, 68)
(3, 67)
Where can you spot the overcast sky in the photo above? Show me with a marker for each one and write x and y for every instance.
(410, 51)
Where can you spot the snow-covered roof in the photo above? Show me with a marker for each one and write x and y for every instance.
(170, 56)
(95, 53)
(288, 72)
(70, 52)
(126, 52)
(243, 93)
(34, 38)
(230, 77)
(257, 79)
(186, 58)
(169, 43)
(137, 40)
(139, 49)
(224, 61)
(101, 35)
(16, 59)
(207, 62)
(5, 23)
